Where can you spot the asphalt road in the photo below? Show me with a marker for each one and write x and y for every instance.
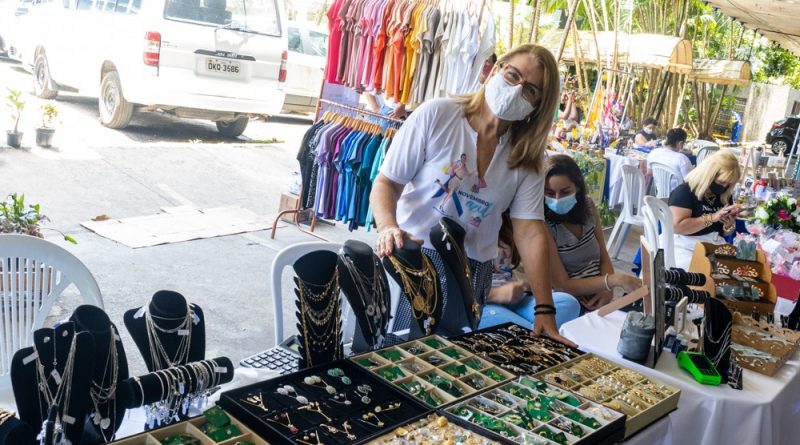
(162, 161)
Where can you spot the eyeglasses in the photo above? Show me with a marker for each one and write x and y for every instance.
(530, 92)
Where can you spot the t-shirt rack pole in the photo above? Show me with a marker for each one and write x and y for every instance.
(360, 111)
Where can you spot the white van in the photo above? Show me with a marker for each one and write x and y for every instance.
(221, 60)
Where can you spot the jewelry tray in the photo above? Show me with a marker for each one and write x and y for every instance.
(307, 421)
(468, 434)
(601, 369)
(502, 406)
(433, 357)
(192, 428)
(514, 336)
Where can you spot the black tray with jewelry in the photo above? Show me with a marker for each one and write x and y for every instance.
(513, 348)
(433, 370)
(334, 404)
(435, 428)
(532, 411)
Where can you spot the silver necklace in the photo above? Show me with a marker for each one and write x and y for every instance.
(371, 291)
(158, 354)
(61, 396)
(105, 395)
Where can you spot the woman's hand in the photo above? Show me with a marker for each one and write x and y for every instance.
(628, 282)
(509, 293)
(389, 237)
(546, 325)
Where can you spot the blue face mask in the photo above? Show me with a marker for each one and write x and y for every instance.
(561, 206)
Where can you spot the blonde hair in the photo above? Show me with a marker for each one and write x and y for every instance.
(528, 136)
(722, 165)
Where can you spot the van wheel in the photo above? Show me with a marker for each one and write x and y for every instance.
(41, 79)
(115, 111)
(234, 128)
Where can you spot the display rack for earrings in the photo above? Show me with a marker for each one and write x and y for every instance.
(447, 237)
(48, 375)
(417, 276)
(717, 326)
(111, 367)
(319, 308)
(363, 282)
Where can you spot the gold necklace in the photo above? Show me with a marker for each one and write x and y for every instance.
(320, 318)
(476, 309)
(425, 296)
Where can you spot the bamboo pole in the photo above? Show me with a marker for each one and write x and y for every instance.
(570, 18)
(534, 22)
(605, 15)
(613, 79)
(578, 57)
(593, 25)
(511, 25)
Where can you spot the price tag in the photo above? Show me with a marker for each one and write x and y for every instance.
(66, 418)
(30, 358)
(56, 376)
(140, 312)
(221, 370)
(183, 332)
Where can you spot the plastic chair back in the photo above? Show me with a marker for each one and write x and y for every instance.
(650, 226)
(633, 192)
(706, 152)
(34, 273)
(663, 216)
(662, 177)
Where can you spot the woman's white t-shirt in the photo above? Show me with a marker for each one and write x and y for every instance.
(434, 156)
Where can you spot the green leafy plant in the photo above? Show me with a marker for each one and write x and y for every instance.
(15, 217)
(16, 104)
(49, 113)
(607, 215)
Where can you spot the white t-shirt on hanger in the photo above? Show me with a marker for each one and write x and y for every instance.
(434, 156)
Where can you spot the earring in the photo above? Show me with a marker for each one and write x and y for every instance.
(337, 372)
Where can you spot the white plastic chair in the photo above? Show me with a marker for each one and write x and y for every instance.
(663, 217)
(632, 202)
(705, 152)
(34, 273)
(662, 177)
(650, 226)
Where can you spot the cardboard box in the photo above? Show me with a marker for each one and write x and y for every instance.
(291, 202)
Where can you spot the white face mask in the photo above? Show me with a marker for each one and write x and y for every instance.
(506, 101)
(647, 130)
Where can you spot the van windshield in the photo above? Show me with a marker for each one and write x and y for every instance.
(256, 16)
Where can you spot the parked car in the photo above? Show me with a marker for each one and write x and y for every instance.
(308, 52)
(9, 11)
(224, 61)
(782, 134)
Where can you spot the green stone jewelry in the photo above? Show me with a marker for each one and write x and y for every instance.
(456, 370)
(391, 354)
(434, 343)
(494, 374)
(338, 372)
(452, 353)
(391, 374)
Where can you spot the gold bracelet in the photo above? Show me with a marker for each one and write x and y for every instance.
(5, 415)
(708, 219)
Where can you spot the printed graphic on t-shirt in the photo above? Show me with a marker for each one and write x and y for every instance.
(459, 176)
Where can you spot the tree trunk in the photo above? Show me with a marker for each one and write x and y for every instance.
(534, 23)
(511, 25)
(605, 14)
(570, 18)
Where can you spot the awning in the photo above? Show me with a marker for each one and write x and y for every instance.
(721, 72)
(640, 50)
(777, 20)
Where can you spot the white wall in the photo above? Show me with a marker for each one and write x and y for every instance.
(765, 105)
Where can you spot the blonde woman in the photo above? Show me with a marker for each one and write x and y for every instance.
(499, 134)
(702, 208)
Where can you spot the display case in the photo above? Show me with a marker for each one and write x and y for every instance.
(433, 370)
(339, 403)
(642, 399)
(532, 411)
(434, 428)
(193, 428)
(513, 348)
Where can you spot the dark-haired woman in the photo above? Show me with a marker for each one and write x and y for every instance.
(671, 154)
(511, 298)
(579, 262)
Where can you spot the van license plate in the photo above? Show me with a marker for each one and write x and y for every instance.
(223, 66)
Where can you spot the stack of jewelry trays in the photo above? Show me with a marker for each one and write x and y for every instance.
(215, 426)
(512, 348)
(531, 411)
(432, 430)
(337, 403)
(433, 370)
(642, 399)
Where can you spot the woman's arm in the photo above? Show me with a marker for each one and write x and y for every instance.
(530, 237)
(383, 200)
(639, 140)
(684, 224)
(586, 286)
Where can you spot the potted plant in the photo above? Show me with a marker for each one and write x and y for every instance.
(15, 102)
(15, 217)
(44, 134)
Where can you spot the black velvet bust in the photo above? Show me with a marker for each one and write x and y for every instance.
(92, 319)
(411, 255)
(447, 238)
(31, 403)
(318, 343)
(16, 432)
(168, 309)
(371, 310)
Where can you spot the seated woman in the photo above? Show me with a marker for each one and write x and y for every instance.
(511, 299)
(579, 262)
(702, 207)
(645, 138)
(671, 154)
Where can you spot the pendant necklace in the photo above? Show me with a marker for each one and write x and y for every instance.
(372, 292)
(106, 395)
(61, 395)
(321, 327)
(425, 295)
(462, 258)
(158, 354)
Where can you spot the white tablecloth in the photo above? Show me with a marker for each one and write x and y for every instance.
(766, 411)
(615, 163)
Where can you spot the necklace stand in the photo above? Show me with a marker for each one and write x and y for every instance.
(717, 326)
(168, 310)
(92, 319)
(411, 255)
(363, 282)
(16, 432)
(318, 308)
(32, 404)
(447, 238)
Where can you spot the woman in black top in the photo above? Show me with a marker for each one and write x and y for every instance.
(702, 208)
(645, 137)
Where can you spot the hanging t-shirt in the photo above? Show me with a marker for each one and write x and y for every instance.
(434, 155)
(684, 197)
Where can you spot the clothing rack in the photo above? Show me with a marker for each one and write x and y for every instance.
(361, 111)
